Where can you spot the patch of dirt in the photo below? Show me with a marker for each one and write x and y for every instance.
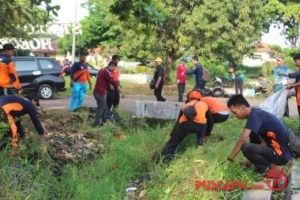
(67, 140)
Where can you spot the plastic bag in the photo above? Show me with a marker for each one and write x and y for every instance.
(275, 104)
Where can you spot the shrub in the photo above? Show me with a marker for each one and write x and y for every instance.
(267, 68)
(137, 70)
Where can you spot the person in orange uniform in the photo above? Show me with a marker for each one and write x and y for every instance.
(8, 74)
(80, 75)
(218, 111)
(186, 126)
(12, 107)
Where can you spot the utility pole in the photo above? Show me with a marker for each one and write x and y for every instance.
(74, 33)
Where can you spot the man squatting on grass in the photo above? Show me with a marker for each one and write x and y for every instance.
(185, 126)
(217, 113)
(269, 137)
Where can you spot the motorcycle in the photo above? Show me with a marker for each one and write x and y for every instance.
(225, 82)
(215, 92)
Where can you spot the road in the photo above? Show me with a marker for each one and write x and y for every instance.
(128, 103)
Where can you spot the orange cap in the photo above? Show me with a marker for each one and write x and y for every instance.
(194, 94)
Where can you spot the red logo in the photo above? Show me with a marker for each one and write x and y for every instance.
(276, 179)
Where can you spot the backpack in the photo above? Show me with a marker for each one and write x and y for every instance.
(294, 145)
(205, 74)
(152, 84)
(190, 112)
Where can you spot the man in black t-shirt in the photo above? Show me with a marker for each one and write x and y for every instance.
(159, 77)
(295, 75)
(271, 149)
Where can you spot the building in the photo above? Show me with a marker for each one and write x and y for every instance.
(259, 57)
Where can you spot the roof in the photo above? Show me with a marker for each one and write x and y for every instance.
(263, 47)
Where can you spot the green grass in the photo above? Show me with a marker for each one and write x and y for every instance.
(124, 160)
(178, 181)
(130, 88)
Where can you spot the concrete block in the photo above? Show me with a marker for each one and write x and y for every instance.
(295, 195)
(157, 109)
(257, 195)
(296, 178)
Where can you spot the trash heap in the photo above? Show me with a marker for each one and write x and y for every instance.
(136, 189)
(65, 142)
(73, 147)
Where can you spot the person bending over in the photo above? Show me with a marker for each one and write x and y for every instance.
(12, 108)
(268, 147)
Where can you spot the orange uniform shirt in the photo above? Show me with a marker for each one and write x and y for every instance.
(201, 108)
(214, 106)
(80, 72)
(8, 74)
(116, 74)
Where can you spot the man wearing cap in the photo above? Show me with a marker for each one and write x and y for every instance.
(8, 74)
(79, 76)
(198, 72)
(295, 75)
(181, 78)
(12, 108)
(159, 78)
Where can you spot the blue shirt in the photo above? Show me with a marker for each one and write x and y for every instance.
(281, 79)
(198, 71)
(271, 129)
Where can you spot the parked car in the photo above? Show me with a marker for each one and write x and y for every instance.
(40, 75)
(93, 71)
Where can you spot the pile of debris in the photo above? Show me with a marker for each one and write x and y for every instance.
(66, 141)
(136, 189)
(73, 147)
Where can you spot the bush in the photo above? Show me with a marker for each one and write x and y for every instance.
(267, 69)
(137, 70)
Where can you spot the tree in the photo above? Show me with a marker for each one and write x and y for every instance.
(223, 30)
(100, 27)
(20, 17)
(286, 13)
(227, 30)
(220, 31)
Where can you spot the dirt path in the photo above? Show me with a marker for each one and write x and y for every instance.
(128, 103)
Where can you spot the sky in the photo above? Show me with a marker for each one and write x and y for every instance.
(67, 10)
